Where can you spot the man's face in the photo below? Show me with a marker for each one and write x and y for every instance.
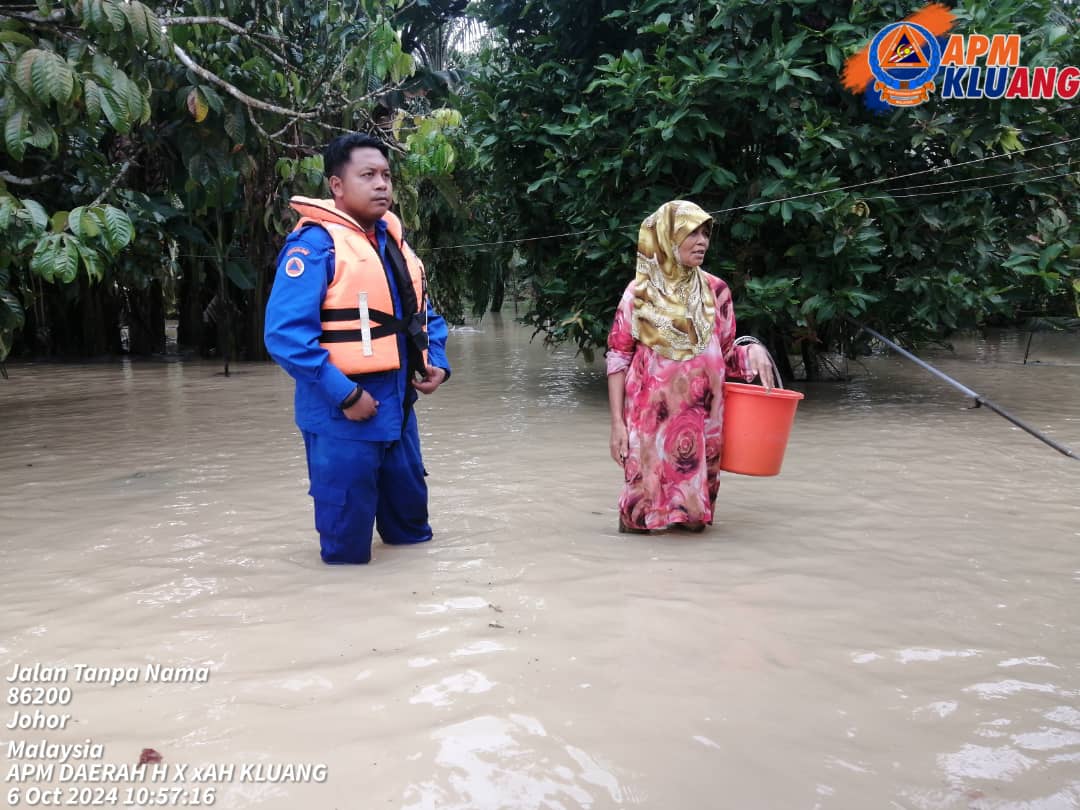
(363, 188)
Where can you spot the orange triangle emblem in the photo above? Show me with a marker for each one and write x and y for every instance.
(903, 48)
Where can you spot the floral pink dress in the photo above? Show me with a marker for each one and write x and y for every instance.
(674, 411)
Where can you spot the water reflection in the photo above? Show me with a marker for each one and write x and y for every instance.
(494, 763)
(889, 623)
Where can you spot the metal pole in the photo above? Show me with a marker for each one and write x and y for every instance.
(979, 399)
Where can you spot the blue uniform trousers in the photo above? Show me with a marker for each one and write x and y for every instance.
(358, 485)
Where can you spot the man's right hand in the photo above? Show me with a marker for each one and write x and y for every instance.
(363, 409)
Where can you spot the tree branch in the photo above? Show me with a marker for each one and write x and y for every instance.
(272, 139)
(34, 17)
(235, 92)
(229, 25)
(113, 183)
(50, 23)
(7, 177)
(224, 22)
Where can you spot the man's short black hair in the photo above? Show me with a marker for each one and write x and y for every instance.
(340, 149)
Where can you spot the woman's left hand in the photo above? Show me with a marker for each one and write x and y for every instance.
(760, 362)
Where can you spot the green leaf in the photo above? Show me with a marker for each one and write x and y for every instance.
(541, 182)
(11, 311)
(36, 213)
(43, 260)
(75, 222)
(92, 100)
(23, 72)
(838, 244)
(236, 124)
(777, 165)
(834, 57)
(15, 131)
(7, 212)
(66, 261)
(59, 221)
(144, 22)
(89, 225)
(16, 37)
(1056, 34)
(50, 76)
(212, 98)
(1049, 254)
(115, 110)
(137, 105)
(241, 276)
(1018, 260)
(118, 103)
(92, 15)
(42, 136)
(805, 73)
(93, 262)
(117, 228)
(114, 13)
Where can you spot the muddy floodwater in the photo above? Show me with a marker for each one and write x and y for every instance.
(893, 622)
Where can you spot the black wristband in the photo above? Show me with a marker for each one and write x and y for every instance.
(352, 398)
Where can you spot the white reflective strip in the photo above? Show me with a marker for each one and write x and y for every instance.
(365, 326)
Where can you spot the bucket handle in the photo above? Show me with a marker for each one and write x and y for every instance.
(746, 340)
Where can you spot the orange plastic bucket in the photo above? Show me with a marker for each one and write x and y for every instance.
(757, 424)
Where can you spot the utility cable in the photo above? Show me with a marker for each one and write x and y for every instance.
(747, 206)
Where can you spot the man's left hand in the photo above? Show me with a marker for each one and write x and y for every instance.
(433, 378)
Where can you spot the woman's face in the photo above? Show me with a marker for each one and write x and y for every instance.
(693, 247)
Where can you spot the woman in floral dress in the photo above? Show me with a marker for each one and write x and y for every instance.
(670, 348)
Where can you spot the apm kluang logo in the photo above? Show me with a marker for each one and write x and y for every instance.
(904, 58)
(907, 61)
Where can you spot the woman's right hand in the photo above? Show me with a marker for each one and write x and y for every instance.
(620, 443)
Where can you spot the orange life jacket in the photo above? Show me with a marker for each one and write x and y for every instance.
(359, 327)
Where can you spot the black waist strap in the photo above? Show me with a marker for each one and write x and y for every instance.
(356, 335)
(353, 314)
(383, 324)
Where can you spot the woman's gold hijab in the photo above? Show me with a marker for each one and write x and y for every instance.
(674, 311)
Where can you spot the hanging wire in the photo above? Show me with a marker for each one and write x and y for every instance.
(747, 206)
(963, 189)
(990, 176)
(972, 188)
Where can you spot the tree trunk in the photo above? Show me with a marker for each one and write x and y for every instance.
(779, 352)
(189, 329)
(498, 295)
(83, 319)
(101, 319)
(809, 357)
(146, 320)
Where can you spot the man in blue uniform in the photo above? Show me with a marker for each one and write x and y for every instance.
(355, 387)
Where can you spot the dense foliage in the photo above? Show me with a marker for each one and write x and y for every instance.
(592, 114)
(149, 153)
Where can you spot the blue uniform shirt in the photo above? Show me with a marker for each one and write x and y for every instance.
(292, 331)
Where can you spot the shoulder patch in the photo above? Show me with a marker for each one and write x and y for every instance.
(293, 250)
(294, 267)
